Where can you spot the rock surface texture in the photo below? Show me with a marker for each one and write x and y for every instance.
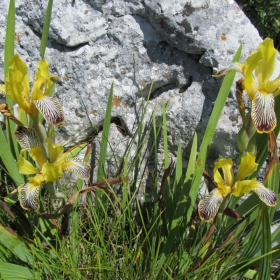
(176, 44)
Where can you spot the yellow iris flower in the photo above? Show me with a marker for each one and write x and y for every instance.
(17, 87)
(209, 205)
(257, 70)
(47, 169)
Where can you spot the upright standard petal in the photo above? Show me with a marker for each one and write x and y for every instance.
(226, 166)
(210, 204)
(250, 64)
(78, 167)
(268, 196)
(55, 151)
(267, 64)
(43, 66)
(262, 112)
(38, 156)
(29, 197)
(247, 166)
(17, 83)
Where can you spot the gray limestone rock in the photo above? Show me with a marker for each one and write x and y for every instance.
(174, 45)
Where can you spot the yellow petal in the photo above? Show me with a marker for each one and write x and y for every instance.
(25, 167)
(209, 205)
(17, 83)
(2, 89)
(41, 80)
(226, 166)
(43, 65)
(262, 112)
(38, 156)
(268, 196)
(78, 167)
(243, 187)
(250, 64)
(29, 197)
(52, 171)
(55, 151)
(247, 166)
(37, 180)
(272, 86)
(266, 65)
(50, 108)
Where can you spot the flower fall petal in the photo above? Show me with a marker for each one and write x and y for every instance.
(209, 206)
(51, 109)
(266, 195)
(27, 137)
(262, 113)
(78, 167)
(233, 67)
(29, 197)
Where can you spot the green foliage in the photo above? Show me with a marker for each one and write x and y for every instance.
(264, 14)
(46, 29)
(143, 223)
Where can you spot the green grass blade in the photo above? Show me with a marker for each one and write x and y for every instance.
(177, 186)
(16, 245)
(105, 137)
(8, 53)
(271, 182)
(167, 193)
(265, 262)
(243, 266)
(8, 160)
(179, 211)
(206, 142)
(9, 41)
(14, 271)
(209, 133)
(46, 27)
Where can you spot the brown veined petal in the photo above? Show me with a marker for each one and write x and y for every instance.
(266, 195)
(27, 137)
(233, 67)
(210, 204)
(78, 167)
(29, 197)
(51, 110)
(263, 114)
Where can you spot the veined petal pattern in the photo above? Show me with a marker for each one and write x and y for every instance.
(268, 196)
(78, 167)
(51, 109)
(209, 205)
(29, 197)
(263, 114)
(27, 137)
